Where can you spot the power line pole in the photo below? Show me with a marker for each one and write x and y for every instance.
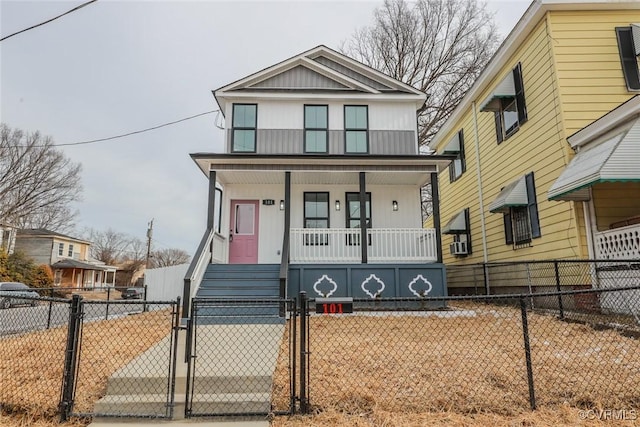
(149, 236)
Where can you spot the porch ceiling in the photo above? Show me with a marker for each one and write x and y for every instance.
(322, 177)
(306, 169)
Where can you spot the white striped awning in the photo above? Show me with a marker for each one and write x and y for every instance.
(457, 224)
(514, 194)
(616, 158)
(505, 89)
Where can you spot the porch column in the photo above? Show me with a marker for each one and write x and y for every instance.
(363, 218)
(435, 200)
(212, 200)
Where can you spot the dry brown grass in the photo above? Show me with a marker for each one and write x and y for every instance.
(376, 371)
(463, 370)
(31, 372)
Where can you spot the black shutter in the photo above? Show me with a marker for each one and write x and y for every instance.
(461, 154)
(467, 226)
(520, 101)
(532, 205)
(628, 57)
(498, 118)
(508, 228)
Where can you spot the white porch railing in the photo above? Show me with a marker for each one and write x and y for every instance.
(219, 253)
(619, 243)
(342, 245)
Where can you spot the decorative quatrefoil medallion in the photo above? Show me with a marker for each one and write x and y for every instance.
(420, 286)
(322, 281)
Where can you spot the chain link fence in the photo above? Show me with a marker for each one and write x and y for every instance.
(236, 346)
(128, 361)
(499, 354)
(32, 352)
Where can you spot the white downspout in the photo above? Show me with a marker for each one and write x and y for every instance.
(479, 176)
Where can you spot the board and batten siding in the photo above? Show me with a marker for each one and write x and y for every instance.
(392, 127)
(589, 73)
(539, 146)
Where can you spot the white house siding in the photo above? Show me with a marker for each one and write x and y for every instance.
(392, 127)
(272, 218)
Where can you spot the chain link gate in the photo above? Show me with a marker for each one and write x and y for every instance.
(141, 387)
(240, 356)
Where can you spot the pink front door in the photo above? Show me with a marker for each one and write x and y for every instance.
(243, 236)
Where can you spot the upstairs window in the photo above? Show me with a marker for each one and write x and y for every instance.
(629, 48)
(455, 147)
(70, 253)
(244, 128)
(507, 102)
(60, 249)
(356, 127)
(316, 128)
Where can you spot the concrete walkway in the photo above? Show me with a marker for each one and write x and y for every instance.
(233, 374)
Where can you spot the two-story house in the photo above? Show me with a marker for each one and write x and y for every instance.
(321, 157)
(547, 142)
(68, 258)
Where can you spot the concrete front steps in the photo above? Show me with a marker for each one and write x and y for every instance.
(241, 283)
(233, 374)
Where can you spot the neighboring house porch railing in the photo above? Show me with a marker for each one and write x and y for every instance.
(342, 245)
(619, 243)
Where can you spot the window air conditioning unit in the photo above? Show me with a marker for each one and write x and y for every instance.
(458, 248)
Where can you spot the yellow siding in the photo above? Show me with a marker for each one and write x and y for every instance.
(615, 201)
(589, 73)
(539, 146)
(572, 76)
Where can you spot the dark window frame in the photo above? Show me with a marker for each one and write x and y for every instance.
(355, 196)
(519, 100)
(70, 251)
(325, 129)
(461, 156)
(321, 239)
(235, 128)
(359, 130)
(456, 236)
(522, 223)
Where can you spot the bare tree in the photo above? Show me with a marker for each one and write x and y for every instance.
(437, 46)
(108, 246)
(169, 257)
(38, 182)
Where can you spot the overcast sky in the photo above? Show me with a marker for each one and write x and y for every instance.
(119, 66)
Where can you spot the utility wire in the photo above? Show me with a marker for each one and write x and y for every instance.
(49, 20)
(92, 141)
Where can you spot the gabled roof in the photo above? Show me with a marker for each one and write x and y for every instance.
(319, 70)
(42, 232)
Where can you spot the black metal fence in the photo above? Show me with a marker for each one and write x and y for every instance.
(541, 276)
(129, 360)
(59, 356)
(498, 354)
(240, 354)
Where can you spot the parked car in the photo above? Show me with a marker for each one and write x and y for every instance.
(11, 293)
(132, 293)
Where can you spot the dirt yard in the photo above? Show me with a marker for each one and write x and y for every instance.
(465, 368)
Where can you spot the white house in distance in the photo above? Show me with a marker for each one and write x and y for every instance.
(321, 155)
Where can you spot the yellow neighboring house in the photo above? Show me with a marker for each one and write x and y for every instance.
(548, 141)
